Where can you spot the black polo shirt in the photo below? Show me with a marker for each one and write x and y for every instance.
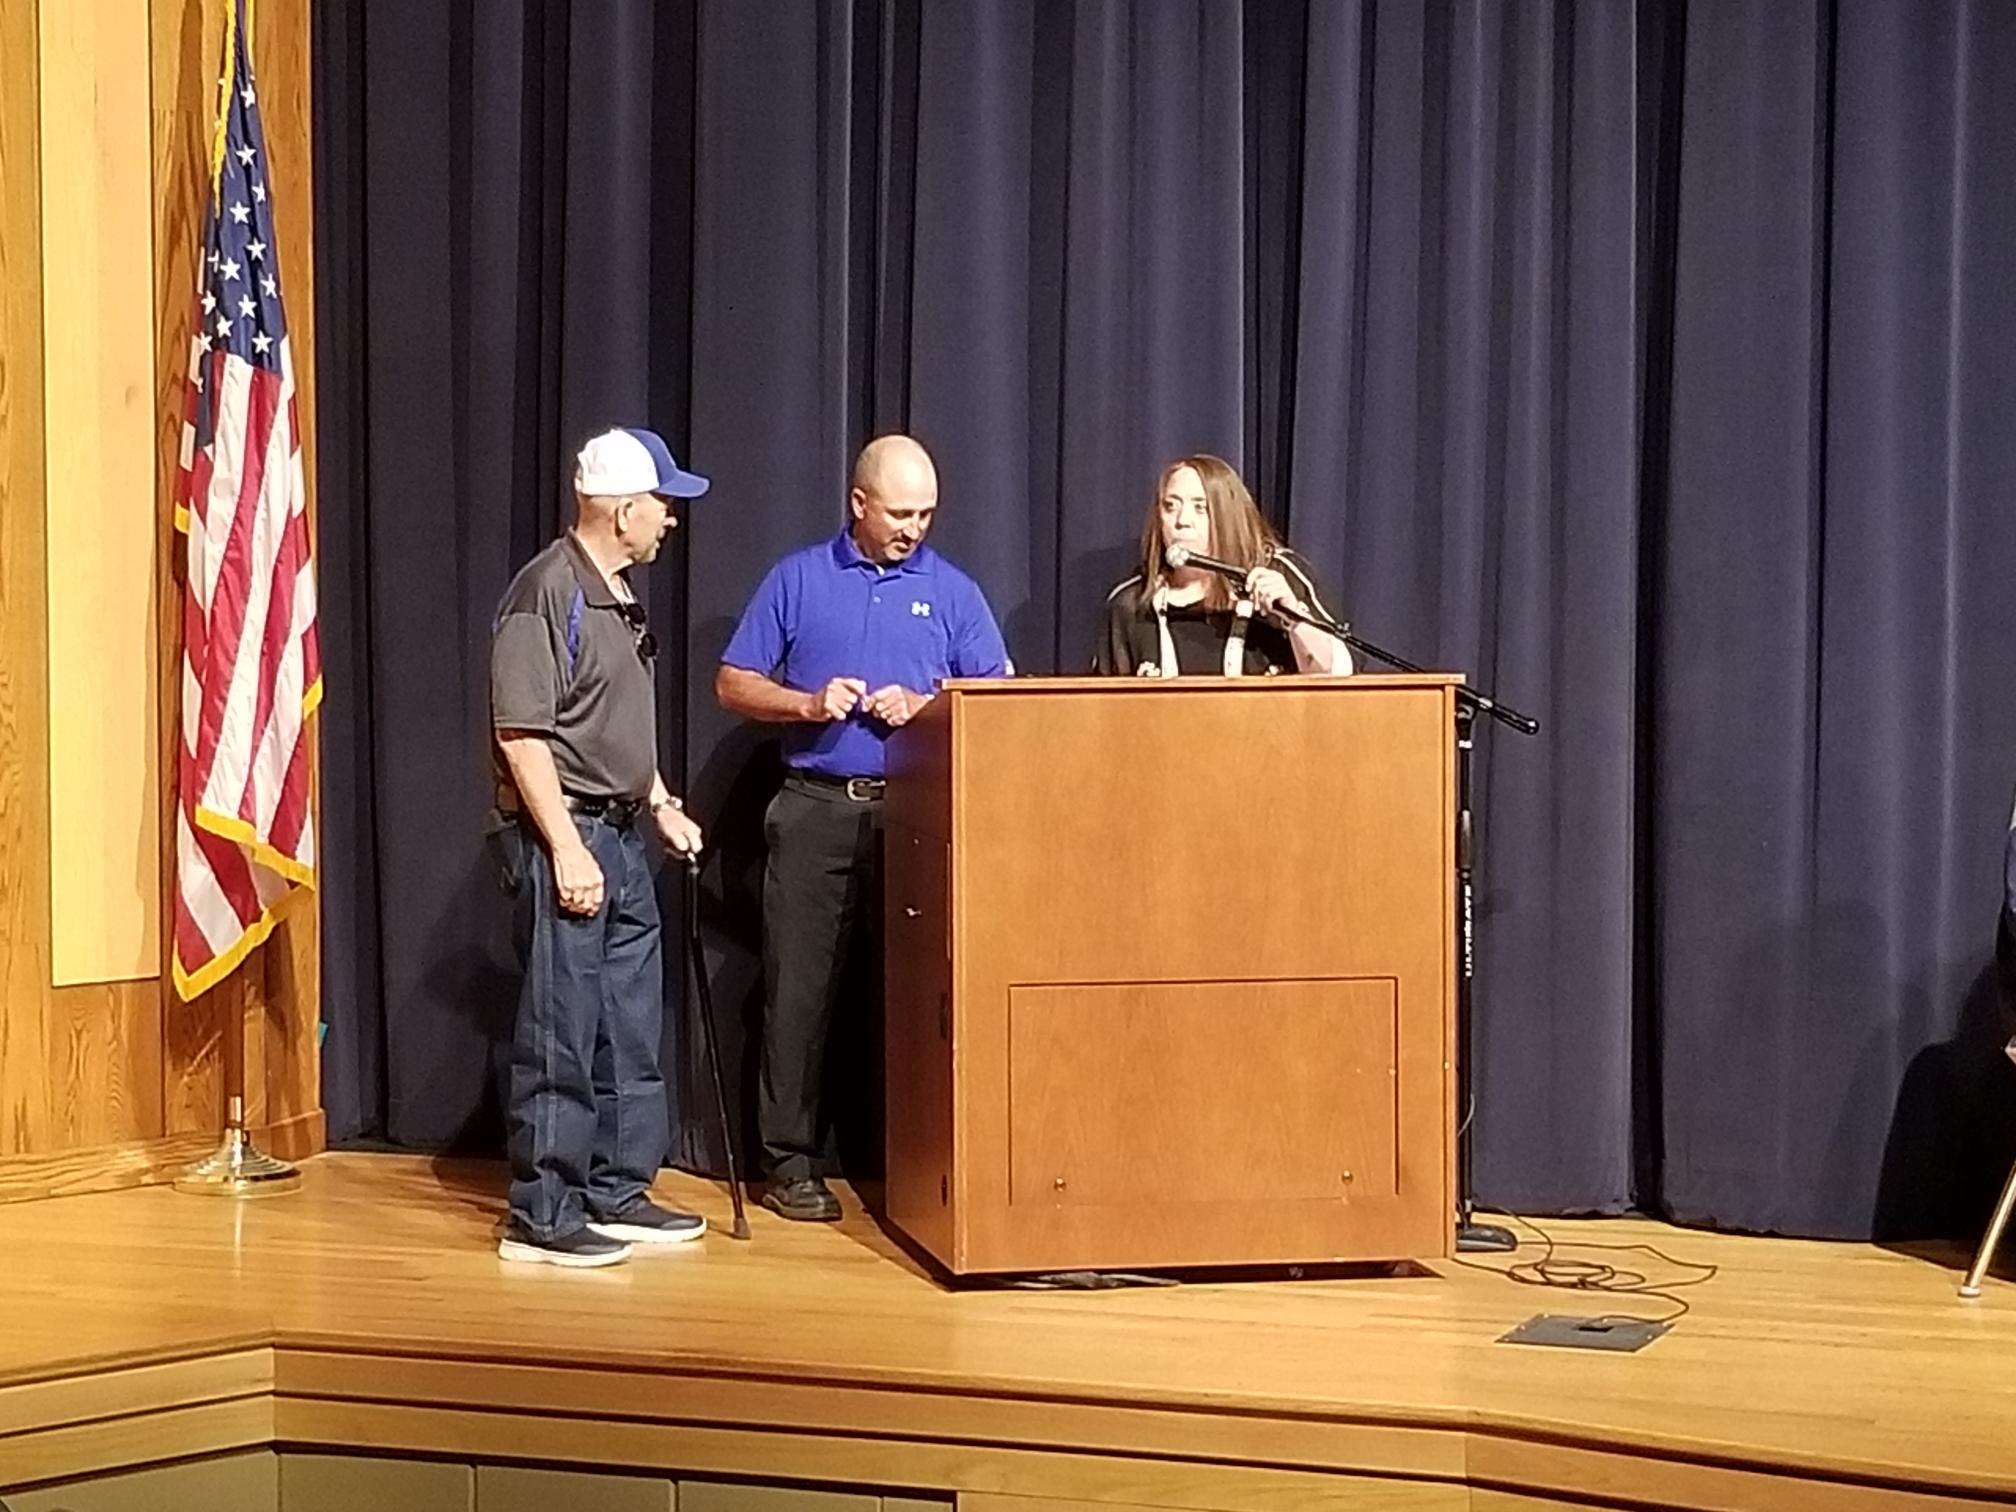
(565, 663)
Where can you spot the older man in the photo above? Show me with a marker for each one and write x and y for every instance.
(573, 706)
(843, 643)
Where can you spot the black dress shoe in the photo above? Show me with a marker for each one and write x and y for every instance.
(805, 1199)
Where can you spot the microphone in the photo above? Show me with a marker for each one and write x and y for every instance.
(1183, 556)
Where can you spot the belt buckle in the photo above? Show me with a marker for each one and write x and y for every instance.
(863, 789)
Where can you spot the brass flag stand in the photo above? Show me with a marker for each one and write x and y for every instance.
(237, 1167)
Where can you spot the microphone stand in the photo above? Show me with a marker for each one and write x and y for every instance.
(1471, 1236)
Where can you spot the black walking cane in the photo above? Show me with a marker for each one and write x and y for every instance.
(704, 991)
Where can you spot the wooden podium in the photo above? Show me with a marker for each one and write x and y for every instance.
(1171, 972)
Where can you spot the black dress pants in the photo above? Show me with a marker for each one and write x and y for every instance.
(822, 930)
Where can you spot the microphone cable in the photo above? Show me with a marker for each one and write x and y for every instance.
(1598, 1276)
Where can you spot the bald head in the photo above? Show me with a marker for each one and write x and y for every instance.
(894, 496)
(894, 464)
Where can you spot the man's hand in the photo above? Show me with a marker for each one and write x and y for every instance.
(836, 700)
(677, 829)
(896, 705)
(578, 879)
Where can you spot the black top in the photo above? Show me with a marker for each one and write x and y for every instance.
(567, 662)
(1130, 641)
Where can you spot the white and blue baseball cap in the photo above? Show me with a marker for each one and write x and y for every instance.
(626, 461)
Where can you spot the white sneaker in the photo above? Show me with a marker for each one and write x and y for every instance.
(644, 1222)
(580, 1250)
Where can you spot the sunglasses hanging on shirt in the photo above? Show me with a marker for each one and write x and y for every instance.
(633, 616)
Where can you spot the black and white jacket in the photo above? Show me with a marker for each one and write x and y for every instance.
(1143, 635)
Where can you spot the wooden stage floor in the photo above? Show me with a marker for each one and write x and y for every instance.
(369, 1312)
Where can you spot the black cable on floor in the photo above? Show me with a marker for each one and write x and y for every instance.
(1596, 1276)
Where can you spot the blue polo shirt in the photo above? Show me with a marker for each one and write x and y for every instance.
(827, 611)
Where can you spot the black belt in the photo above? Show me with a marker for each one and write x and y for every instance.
(621, 812)
(859, 789)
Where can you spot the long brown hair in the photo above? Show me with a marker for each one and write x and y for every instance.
(1239, 533)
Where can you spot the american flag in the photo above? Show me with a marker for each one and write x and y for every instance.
(251, 669)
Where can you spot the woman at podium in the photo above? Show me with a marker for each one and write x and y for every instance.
(1232, 618)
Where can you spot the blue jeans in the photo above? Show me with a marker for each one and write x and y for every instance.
(587, 1119)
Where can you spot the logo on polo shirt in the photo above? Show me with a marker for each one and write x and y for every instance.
(918, 606)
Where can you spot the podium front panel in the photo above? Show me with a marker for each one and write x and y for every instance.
(1201, 969)
(1217, 1121)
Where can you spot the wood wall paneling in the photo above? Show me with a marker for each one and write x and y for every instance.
(116, 1083)
(247, 1482)
(103, 1063)
(24, 731)
(516, 1488)
(98, 404)
(351, 1482)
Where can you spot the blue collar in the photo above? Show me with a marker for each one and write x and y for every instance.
(847, 554)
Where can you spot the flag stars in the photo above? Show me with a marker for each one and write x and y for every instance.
(247, 320)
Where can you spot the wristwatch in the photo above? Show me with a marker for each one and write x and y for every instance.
(668, 801)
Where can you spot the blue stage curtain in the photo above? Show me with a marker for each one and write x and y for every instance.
(1652, 363)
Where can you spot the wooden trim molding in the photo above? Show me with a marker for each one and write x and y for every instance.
(973, 1443)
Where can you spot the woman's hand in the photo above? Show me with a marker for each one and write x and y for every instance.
(1270, 592)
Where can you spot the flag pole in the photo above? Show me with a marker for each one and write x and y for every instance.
(237, 1167)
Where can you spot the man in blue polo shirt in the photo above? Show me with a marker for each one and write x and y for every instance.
(842, 644)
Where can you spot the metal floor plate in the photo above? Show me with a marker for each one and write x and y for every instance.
(1565, 1331)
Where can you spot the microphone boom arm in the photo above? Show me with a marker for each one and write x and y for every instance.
(1478, 702)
